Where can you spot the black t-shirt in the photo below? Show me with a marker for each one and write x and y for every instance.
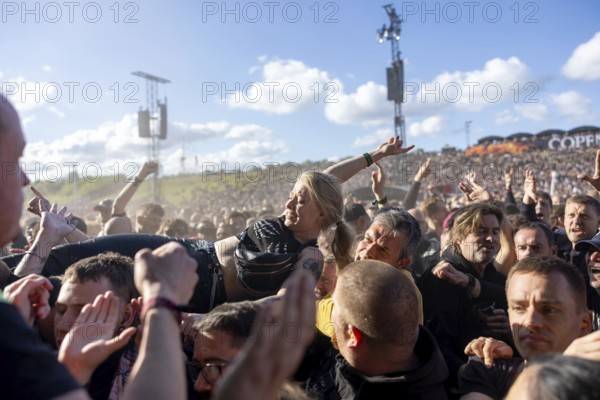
(272, 236)
(29, 369)
(266, 256)
(494, 382)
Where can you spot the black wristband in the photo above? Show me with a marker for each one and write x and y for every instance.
(382, 201)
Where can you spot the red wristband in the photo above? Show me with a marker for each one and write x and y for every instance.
(160, 302)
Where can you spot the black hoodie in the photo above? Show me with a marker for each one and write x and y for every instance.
(425, 382)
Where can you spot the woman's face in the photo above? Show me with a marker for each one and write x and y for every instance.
(302, 215)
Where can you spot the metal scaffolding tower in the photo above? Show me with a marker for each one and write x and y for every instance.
(395, 73)
(152, 123)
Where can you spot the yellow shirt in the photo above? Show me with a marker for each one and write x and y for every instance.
(325, 307)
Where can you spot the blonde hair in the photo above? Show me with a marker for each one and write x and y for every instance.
(326, 192)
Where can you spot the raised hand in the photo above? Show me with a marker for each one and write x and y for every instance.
(530, 187)
(92, 338)
(508, 176)
(264, 363)
(593, 180)
(587, 347)
(473, 191)
(167, 272)
(30, 296)
(38, 202)
(378, 182)
(149, 167)
(423, 171)
(55, 220)
(393, 146)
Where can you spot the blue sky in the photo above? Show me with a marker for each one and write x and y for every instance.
(68, 70)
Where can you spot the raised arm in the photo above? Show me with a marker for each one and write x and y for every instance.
(38, 204)
(410, 199)
(530, 198)
(593, 180)
(55, 228)
(378, 186)
(149, 167)
(346, 169)
(165, 277)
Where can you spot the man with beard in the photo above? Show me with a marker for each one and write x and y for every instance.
(383, 351)
(469, 301)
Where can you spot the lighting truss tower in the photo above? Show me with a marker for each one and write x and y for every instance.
(152, 123)
(467, 132)
(395, 73)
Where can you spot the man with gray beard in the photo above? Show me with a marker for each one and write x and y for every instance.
(464, 298)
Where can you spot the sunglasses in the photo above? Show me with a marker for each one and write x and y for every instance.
(210, 371)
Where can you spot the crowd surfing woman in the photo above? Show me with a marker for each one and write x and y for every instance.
(255, 263)
(258, 261)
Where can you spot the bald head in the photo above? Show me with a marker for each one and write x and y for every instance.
(380, 301)
(5, 110)
(12, 145)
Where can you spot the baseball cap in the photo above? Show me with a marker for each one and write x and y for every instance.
(584, 245)
(104, 205)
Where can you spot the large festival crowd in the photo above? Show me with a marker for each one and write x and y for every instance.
(454, 278)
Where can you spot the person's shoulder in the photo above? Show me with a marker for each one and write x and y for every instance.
(494, 382)
(269, 225)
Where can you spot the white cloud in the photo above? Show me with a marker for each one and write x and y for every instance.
(469, 90)
(26, 121)
(27, 95)
(380, 136)
(287, 86)
(112, 144)
(251, 131)
(56, 112)
(367, 106)
(533, 111)
(430, 126)
(573, 106)
(106, 146)
(196, 131)
(584, 63)
(248, 152)
(505, 117)
(47, 68)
